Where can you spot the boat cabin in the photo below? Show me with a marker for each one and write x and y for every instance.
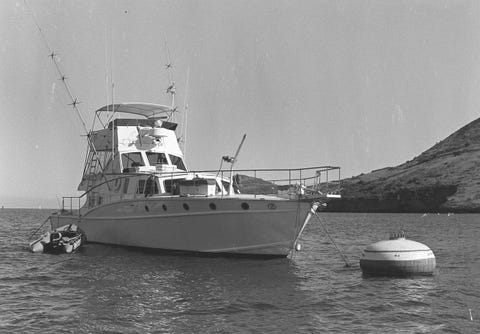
(142, 185)
(141, 157)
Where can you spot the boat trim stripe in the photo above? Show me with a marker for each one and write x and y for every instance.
(399, 251)
(206, 213)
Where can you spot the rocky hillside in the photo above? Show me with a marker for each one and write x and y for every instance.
(445, 178)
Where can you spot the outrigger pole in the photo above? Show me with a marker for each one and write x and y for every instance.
(171, 89)
(171, 83)
(63, 78)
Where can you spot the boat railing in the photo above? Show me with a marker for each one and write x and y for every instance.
(71, 204)
(74, 204)
(284, 182)
(289, 183)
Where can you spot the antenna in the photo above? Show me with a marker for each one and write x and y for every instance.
(106, 68)
(109, 71)
(185, 116)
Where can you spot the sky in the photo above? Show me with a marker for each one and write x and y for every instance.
(357, 84)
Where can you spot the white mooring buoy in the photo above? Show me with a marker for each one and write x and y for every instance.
(397, 257)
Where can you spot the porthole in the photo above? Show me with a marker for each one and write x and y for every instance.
(186, 207)
(272, 206)
(164, 207)
(245, 206)
(212, 206)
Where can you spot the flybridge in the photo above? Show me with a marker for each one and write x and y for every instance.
(127, 134)
(133, 145)
(132, 134)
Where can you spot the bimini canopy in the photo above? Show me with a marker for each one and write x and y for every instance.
(148, 110)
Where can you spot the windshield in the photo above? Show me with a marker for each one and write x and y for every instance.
(156, 158)
(171, 186)
(130, 160)
(177, 161)
(226, 185)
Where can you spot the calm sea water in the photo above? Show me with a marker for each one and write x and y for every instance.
(115, 290)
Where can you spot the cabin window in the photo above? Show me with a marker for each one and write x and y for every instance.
(177, 161)
(125, 185)
(151, 186)
(91, 200)
(131, 160)
(171, 186)
(140, 186)
(226, 185)
(157, 158)
(115, 185)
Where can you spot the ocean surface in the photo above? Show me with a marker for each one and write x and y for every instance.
(105, 289)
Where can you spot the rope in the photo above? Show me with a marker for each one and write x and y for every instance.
(333, 242)
(46, 220)
(292, 251)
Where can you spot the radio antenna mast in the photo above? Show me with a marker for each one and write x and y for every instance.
(185, 116)
(109, 75)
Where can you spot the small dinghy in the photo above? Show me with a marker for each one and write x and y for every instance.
(65, 239)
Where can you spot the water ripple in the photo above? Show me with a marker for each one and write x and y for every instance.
(112, 289)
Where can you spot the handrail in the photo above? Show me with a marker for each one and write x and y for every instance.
(177, 173)
(266, 169)
(292, 177)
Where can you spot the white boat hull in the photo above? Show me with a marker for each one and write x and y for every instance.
(37, 246)
(206, 225)
(73, 246)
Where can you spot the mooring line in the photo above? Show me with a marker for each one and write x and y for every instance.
(46, 220)
(333, 242)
